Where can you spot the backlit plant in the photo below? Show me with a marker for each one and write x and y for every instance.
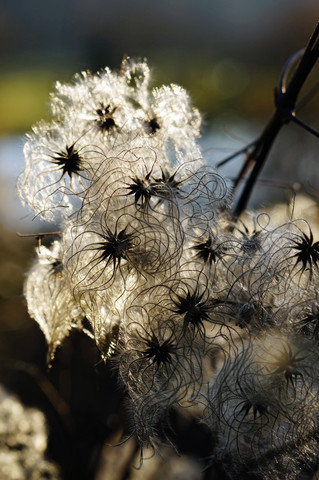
(193, 307)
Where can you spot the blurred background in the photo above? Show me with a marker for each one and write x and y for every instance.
(227, 53)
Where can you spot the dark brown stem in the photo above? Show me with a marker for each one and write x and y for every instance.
(36, 235)
(285, 102)
(258, 156)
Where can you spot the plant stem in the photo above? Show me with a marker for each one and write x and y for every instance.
(285, 102)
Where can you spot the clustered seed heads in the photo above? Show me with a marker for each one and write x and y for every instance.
(193, 309)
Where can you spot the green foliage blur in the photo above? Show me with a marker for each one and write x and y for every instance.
(227, 58)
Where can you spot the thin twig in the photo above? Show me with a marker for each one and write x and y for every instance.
(285, 102)
(36, 235)
(234, 155)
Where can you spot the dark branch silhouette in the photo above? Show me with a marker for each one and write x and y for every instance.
(286, 95)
